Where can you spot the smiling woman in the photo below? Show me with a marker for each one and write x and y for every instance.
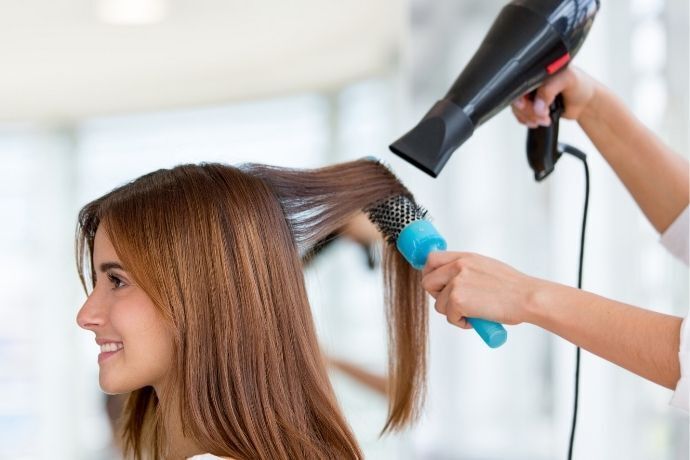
(118, 311)
(199, 305)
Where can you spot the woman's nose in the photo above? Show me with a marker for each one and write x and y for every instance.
(91, 315)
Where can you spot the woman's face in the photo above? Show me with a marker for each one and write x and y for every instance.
(136, 345)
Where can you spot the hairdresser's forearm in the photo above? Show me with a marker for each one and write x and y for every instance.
(375, 382)
(657, 178)
(641, 341)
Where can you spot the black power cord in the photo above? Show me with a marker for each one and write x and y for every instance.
(569, 149)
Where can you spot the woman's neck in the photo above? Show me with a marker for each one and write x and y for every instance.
(177, 445)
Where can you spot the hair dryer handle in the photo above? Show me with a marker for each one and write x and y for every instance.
(542, 142)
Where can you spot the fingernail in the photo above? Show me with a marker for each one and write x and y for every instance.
(519, 103)
(544, 121)
(539, 107)
(532, 125)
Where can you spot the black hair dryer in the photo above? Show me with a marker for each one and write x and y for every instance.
(528, 41)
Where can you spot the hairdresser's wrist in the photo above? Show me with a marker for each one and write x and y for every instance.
(591, 112)
(540, 302)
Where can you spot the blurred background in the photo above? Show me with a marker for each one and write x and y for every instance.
(96, 93)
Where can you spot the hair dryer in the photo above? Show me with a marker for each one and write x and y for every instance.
(528, 41)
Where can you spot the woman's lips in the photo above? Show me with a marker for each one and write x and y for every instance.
(107, 354)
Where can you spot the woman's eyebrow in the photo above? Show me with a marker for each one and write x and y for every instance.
(105, 266)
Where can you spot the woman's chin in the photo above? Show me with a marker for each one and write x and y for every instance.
(111, 387)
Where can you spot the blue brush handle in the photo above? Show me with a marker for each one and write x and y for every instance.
(415, 242)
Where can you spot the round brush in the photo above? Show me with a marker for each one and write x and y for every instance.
(404, 224)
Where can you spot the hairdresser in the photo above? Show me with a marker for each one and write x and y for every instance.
(653, 345)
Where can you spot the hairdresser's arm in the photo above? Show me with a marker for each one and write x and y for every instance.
(655, 176)
(375, 382)
(641, 341)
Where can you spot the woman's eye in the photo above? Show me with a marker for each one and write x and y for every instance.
(116, 282)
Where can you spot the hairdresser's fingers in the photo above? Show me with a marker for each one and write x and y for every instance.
(439, 258)
(449, 306)
(437, 279)
(524, 118)
(522, 106)
(547, 92)
(520, 103)
(460, 322)
(573, 84)
(523, 109)
(434, 294)
(440, 302)
(518, 111)
(445, 284)
(532, 119)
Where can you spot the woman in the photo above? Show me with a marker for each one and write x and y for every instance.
(198, 302)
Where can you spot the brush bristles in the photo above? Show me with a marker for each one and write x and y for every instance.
(392, 215)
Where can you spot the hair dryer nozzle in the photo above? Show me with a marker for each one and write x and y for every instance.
(528, 41)
(430, 144)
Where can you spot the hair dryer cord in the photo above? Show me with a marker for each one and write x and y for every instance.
(565, 148)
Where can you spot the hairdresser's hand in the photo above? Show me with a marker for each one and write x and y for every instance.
(360, 230)
(577, 89)
(474, 286)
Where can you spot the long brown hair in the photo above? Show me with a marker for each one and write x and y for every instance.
(217, 249)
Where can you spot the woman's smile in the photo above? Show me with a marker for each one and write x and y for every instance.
(108, 349)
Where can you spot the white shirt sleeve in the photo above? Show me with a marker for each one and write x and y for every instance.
(675, 239)
(681, 397)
